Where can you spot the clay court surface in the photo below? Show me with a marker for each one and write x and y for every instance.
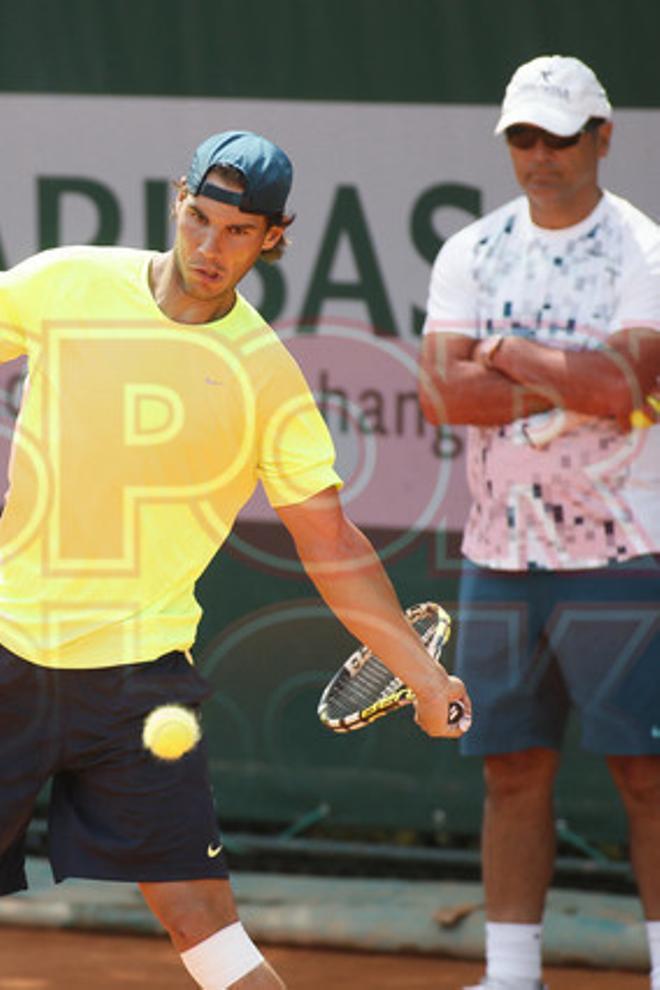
(48, 959)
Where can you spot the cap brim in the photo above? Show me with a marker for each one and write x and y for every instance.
(564, 124)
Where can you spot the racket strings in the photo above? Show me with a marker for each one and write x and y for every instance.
(373, 681)
(432, 626)
(361, 691)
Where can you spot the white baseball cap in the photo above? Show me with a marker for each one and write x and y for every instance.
(556, 92)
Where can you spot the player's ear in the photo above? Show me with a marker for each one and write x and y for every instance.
(181, 190)
(272, 237)
(181, 193)
(604, 136)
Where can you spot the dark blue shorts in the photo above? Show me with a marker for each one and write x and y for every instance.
(532, 645)
(115, 811)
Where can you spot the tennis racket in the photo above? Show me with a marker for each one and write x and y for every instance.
(364, 689)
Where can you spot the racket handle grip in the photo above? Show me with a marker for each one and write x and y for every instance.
(456, 712)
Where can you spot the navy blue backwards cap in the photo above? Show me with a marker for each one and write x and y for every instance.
(267, 171)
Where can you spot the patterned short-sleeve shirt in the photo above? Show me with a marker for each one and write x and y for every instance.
(557, 490)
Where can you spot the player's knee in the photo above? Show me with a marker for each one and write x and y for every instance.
(191, 911)
(528, 772)
(187, 925)
(638, 781)
(225, 958)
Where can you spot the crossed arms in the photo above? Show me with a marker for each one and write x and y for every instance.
(460, 382)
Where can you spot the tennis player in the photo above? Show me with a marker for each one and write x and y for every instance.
(543, 335)
(157, 399)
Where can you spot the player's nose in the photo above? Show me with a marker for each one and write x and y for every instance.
(212, 244)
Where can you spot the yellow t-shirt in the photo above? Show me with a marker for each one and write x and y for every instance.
(138, 441)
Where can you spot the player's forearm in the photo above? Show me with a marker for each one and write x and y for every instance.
(352, 581)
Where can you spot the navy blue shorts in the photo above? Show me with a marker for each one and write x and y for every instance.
(115, 811)
(532, 645)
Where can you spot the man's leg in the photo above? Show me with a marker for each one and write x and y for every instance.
(521, 707)
(201, 919)
(518, 850)
(518, 839)
(638, 781)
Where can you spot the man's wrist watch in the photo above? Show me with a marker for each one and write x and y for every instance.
(489, 348)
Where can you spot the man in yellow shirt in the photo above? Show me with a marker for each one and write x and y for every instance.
(157, 398)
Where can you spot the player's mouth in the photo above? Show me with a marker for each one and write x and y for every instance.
(209, 276)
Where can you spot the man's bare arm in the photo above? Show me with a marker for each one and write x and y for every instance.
(608, 382)
(352, 581)
(455, 388)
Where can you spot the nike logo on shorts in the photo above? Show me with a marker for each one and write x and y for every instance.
(213, 851)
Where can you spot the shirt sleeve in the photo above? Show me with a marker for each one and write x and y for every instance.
(640, 300)
(450, 307)
(13, 341)
(297, 454)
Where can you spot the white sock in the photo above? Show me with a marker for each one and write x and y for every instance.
(513, 952)
(653, 936)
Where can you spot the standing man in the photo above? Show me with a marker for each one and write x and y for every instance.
(542, 336)
(157, 398)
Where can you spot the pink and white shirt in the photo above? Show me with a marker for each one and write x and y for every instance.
(556, 490)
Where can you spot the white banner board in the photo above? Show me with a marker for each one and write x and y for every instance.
(376, 187)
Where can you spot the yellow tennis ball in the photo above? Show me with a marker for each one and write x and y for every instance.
(639, 420)
(171, 731)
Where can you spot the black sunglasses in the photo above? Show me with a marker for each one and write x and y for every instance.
(525, 136)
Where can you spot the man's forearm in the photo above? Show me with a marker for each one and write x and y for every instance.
(603, 382)
(352, 581)
(480, 397)
(348, 573)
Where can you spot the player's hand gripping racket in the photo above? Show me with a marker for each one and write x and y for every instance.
(364, 689)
